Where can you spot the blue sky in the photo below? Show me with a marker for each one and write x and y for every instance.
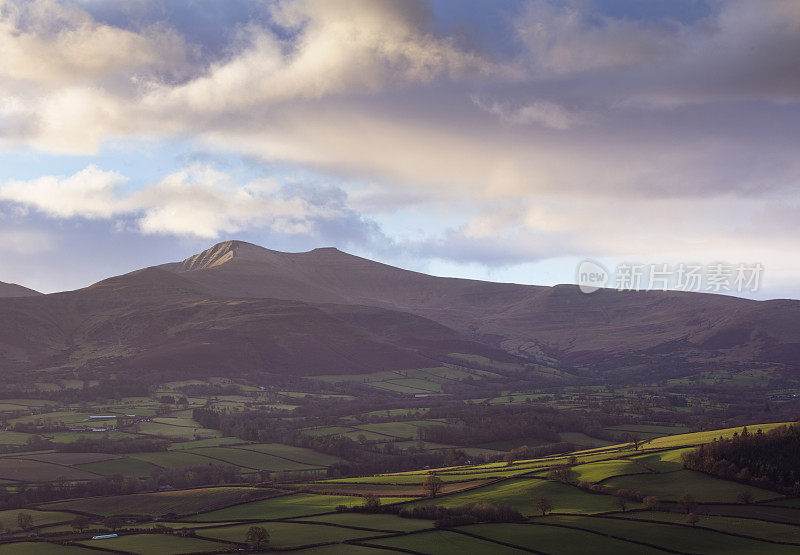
(493, 140)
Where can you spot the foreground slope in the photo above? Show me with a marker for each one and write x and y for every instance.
(329, 516)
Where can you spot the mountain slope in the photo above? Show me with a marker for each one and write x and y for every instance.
(14, 290)
(238, 308)
(607, 327)
(155, 322)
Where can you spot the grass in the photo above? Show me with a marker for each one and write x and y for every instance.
(176, 432)
(35, 471)
(298, 454)
(250, 459)
(747, 527)
(179, 502)
(71, 458)
(520, 493)
(556, 540)
(582, 440)
(42, 548)
(443, 543)
(704, 488)
(14, 438)
(294, 505)
(125, 467)
(174, 459)
(286, 534)
(668, 461)
(411, 490)
(596, 471)
(385, 522)
(161, 544)
(211, 442)
(679, 538)
(697, 438)
(8, 519)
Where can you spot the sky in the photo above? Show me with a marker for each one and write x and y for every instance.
(507, 141)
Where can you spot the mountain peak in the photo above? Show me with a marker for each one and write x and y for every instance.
(219, 254)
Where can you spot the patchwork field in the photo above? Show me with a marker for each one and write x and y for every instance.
(584, 512)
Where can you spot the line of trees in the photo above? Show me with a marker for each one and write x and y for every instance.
(769, 460)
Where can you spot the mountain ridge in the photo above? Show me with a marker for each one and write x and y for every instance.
(8, 290)
(238, 307)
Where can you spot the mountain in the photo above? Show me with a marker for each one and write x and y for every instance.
(154, 322)
(14, 290)
(239, 309)
(605, 329)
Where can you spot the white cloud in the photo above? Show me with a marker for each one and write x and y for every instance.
(90, 193)
(565, 38)
(199, 201)
(50, 42)
(337, 46)
(545, 113)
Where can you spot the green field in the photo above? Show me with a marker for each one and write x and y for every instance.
(296, 454)
(211, 442)
(8, 519)
(443, 543)
(385, 522)
(300, 504)
(520, 493)
(286, 534)
(556, 540)
(125, 467)
(35, 471)
(681, 538)
(170, 431)
(250, 459)
(748, 527)
(703, 488)
(42, 548)
(177, 502)
(594, 472)
(162, 544)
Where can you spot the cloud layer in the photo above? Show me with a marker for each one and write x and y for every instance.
(588, 133)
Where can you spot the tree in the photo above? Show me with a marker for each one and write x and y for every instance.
(432, 485)
(687, 503)
(562, 474)
(113, 522)
(745, 497)
(651, 502)
(372, 501)
(257, 537)
(622, 501)
(692, 519)
(543, 504)
(24, 520)
(80, 523)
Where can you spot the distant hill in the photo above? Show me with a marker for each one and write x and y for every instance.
(609, 328)
(153, 321)
(14, 290)
(238, 308)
